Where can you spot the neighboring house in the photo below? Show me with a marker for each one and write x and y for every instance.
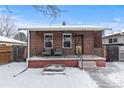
(7, 47)
(9, 42)
(114, 39)
(113, 43)
(72, 40)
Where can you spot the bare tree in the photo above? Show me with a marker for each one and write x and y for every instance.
(7, 26)
(6, 9)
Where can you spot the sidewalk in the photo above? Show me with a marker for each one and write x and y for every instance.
(100, 76)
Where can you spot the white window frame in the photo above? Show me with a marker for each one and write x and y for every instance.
(45, 40)
(70, 40)
(113, 40)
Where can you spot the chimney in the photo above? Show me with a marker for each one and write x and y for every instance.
(63, 23)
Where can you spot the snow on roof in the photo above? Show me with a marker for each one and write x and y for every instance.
(121, 32)
(66, 27)
(9, 40)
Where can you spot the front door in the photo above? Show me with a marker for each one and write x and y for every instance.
(79, 44)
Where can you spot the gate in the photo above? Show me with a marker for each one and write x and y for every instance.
(18, 53)
(112, 53)
(121, 53)
(5, 54)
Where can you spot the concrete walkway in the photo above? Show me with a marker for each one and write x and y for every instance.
(100, 76)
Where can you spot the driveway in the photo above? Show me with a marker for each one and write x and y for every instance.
(100, 75)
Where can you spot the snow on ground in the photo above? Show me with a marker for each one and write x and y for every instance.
(119, 65)
(118, 76)
(32, 77)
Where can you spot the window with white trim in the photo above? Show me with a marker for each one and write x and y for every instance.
(110, 40)
(115, 40)
(67, 40)
(48, 40)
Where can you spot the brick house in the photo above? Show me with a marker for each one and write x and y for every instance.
(86, 40)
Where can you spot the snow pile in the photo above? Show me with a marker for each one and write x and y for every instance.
(33, 78)
(55, 67)
(9, 40)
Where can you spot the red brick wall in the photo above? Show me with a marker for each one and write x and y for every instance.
(98, 43)
(57, 39)
(42, 63)
(88, 43)
(68, 63)
(37, 41)
(100, 63)
(97, 39)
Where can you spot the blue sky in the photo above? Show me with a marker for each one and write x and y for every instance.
(112, 16)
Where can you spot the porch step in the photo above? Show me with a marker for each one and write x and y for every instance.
(89, 64)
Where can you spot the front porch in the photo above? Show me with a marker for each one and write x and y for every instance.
(45, 45)
(67, 60)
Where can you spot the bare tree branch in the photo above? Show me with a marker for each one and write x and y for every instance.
(7, 26)
(48, 10)
(8, 9)
(51, 11)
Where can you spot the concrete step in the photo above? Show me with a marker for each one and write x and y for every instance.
(89, 64)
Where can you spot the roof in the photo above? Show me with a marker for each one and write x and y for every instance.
(5, 40)
(67, 28)
(114, 34)
(117, 44)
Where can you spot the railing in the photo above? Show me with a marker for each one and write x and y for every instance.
(80, 61)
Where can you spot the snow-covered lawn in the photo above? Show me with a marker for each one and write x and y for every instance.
(118, 76)
(32, 77)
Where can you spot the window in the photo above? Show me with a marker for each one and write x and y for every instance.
(110, 40)
(48, 40)
(115, 40)
(67, 40)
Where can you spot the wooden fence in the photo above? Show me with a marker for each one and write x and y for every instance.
(5, 54)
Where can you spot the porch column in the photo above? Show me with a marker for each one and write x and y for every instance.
(28, 44)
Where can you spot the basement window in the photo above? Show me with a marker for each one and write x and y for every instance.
(48, 40)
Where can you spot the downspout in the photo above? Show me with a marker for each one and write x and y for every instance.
(28, 34)
(93, 45)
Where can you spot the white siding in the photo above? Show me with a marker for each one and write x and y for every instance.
(121, 53)
(120, 39)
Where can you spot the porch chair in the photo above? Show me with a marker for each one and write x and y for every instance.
(58, 52)
(46, 52)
